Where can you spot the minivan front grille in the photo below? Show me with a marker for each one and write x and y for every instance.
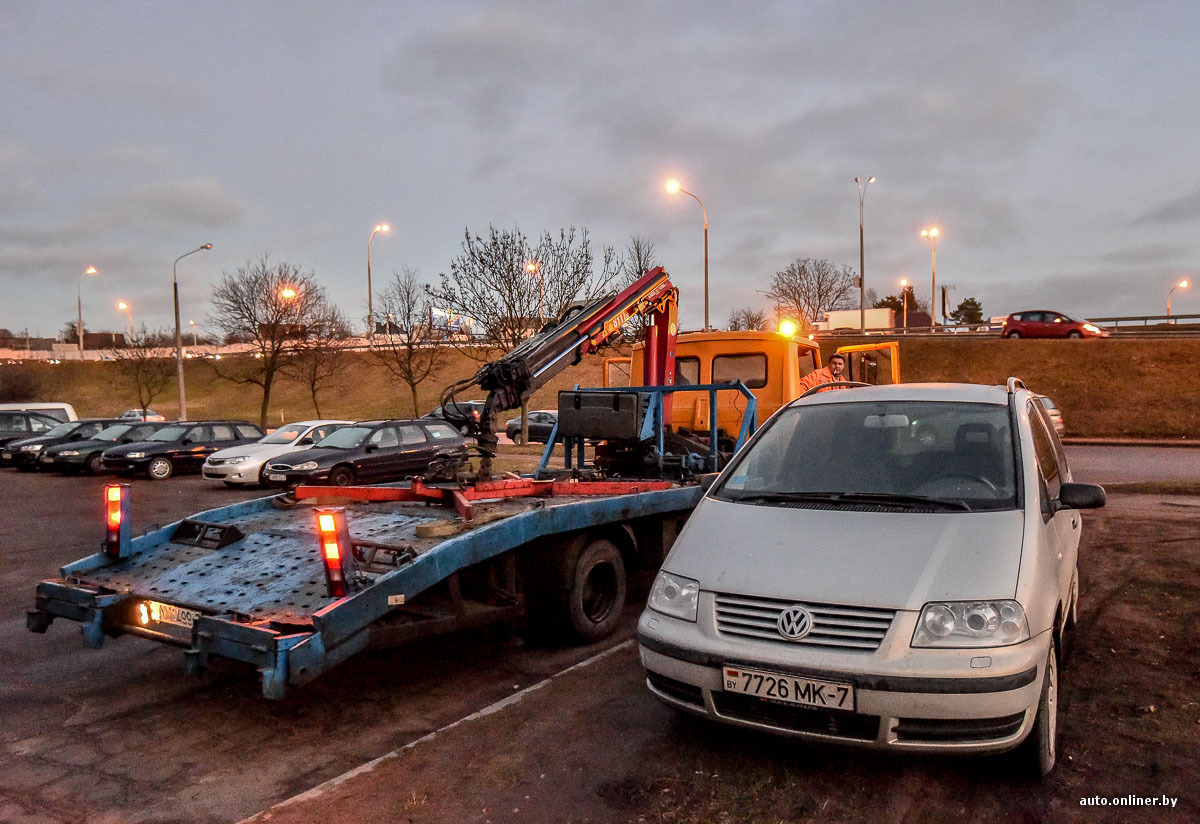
(846, 628)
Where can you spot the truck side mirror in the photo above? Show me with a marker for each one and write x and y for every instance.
(1082, 496)
(706, 481)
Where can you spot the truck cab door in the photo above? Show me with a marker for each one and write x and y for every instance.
(873, 363)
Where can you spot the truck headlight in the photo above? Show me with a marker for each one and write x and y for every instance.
(135, 454)
(304, 467)
(971, 624)
(675, 595)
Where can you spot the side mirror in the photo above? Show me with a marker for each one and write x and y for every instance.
(1082, 496)
(305, 441)
(186, 441)
(371, 447)
(707, 480)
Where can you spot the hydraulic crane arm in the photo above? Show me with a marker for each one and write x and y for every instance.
(581, 330)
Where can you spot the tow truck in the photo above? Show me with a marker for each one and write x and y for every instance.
(296, 583)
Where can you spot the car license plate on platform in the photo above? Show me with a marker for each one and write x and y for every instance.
(276, 476)
(7, 456)
(168, 614)
(789, 689)
(47, 459)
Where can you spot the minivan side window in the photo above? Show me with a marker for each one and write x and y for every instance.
(1047, 461)
(749, 369)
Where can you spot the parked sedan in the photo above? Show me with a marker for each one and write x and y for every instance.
(85, 455)
(248, 464)
(179, 447)
(17, 424)
(141, 415)
(24, 453)
(375, 451)
(459, 414)
(541, 424)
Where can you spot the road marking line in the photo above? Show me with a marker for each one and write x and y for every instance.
(491, 709)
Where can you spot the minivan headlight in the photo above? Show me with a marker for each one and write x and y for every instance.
(971, 624)
(675, 595)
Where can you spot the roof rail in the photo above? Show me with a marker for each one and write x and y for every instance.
(1014, 384)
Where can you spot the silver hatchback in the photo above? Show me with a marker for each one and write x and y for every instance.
(891, 566)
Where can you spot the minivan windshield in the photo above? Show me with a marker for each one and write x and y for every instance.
(921, 455)
(347, 437)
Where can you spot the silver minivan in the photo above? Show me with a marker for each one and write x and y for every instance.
(892, 567)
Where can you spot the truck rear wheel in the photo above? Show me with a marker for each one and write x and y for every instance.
(594, 575)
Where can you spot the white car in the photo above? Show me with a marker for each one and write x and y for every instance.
(891, 567)
(246, 464)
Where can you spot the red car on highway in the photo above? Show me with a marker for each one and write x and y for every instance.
(1044, 323)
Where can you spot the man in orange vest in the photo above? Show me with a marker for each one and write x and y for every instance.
(826, 374)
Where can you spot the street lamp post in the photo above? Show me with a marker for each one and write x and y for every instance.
(904, 300)
(382, 227)
(124, 307)
(674, 187)
(1183, 284)
(862, 275)
(195, 341)
(91, 270)
(931, 234)
(178, 334)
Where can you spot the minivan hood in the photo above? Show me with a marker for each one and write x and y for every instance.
(880, 559)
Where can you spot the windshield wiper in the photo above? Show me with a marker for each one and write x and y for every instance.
(913, 501)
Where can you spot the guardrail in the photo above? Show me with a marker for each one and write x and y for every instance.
(1186, 325)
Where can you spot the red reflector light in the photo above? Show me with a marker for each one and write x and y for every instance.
(113, 493)
(332, 553)
(326, 523)
(114, 517)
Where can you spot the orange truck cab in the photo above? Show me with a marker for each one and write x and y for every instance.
(768, 363)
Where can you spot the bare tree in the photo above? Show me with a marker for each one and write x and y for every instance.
(270, 305)
(318, 355)
(747, 319)
(639, 258)
(811, 287)
(146, 366)
(408, 351)
(509, 287)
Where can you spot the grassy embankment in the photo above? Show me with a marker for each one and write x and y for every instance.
(1106, 388)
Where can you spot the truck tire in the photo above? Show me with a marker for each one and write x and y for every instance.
(595, 588)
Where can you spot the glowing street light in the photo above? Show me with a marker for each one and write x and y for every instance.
(904, 299)
(674, 188)
(124, 307)
(287, 293)
(1183, 284)
(533, 267)
(382, 227)
(931, 234)
(91, 270)
(178, 334)
(862, 275)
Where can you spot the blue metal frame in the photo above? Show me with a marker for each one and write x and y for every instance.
(652, 424)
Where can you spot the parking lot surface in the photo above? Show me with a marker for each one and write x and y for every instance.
(449, 730)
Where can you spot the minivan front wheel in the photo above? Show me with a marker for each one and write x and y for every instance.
(1040, 750)
(160, 469)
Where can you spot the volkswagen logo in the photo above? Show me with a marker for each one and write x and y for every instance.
(794, 623)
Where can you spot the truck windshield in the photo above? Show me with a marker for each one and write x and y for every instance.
(918, 454)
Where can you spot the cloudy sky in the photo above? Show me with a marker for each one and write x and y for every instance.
(1054, 143)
